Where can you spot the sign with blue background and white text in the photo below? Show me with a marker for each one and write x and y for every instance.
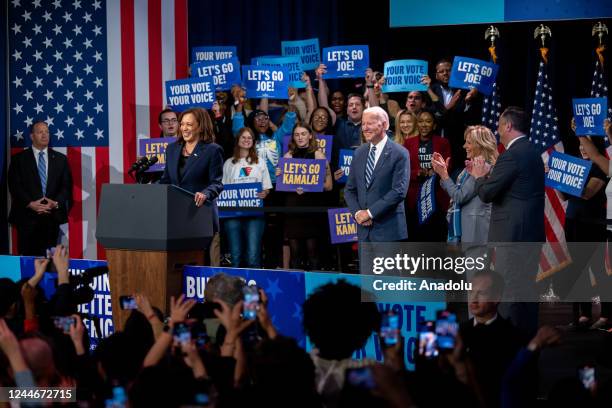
(590, 114)
(346, 61)
(183, 94)
(404, 75)
(468, 73)
(262, 81)
(292, 64)
(567, 173)
(307, 51)
(240, 195)
(213, 53)
(224, 73)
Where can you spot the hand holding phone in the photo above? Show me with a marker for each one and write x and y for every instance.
(127, 302)
(389, 330)
(251, 302)
(63, 323)
(428, 341)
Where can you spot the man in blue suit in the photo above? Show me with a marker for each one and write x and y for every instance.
(515, 186)
(378, 182)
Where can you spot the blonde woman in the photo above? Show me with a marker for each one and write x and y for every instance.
(405, 126)
(468, 216)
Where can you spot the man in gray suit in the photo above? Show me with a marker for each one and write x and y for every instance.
(378, 182)
(515, 186)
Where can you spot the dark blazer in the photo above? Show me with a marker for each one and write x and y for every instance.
(24, 185)
(202, 173)
(515, 186)
(386, 194)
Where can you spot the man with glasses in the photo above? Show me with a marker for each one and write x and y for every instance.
(168, 123)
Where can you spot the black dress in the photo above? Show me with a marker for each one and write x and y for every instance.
(303, 225)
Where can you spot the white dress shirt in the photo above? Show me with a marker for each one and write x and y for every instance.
(46, 154)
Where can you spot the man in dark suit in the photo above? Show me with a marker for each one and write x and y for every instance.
(40, 184)
(378, 182)
(515, 186)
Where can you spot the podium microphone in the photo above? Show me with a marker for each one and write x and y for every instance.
(139, 163)
(147, 165)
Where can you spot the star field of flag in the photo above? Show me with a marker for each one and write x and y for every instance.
(599, 87)
(544, 131)
(58, 71)
(491, 109)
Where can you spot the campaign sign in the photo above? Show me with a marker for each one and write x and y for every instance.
(325, 143)
(342, 225)
(404, 75)
(213, 53)
(349, 61)
(426, 202)
(263, 81)
(567, 173)
(183, 94)
(306, 50)
(224, 73)
(344, 163)
(305, 174)
(240, 195)
(468, 73)
(294, 68)
(155, 147)
(589, 114)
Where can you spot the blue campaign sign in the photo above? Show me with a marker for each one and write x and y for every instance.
(344, 163)
(285, 291)
(404, 75)
(292, 64)
(263, 81)
(155, 147)
(426, 201)
(224, 73)
(589, 114)
(468, 73)
(349, 61)
(307, 50)
(183, 94)
(305, 174)
(213, 53)
(325, 143)
(567, 173)
(240, 195)
(342, 225)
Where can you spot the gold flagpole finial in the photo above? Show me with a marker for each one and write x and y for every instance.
(491, 34)
(542, 31)
(599, 30)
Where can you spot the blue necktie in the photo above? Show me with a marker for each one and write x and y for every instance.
(370, 166)
(42, 172)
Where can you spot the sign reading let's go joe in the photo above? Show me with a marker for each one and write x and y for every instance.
(182, 94)
(348, 61)
(590, 114)
(224, 73)
(468, 73)
(264, 81)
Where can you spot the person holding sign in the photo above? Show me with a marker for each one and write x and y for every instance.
(305, 227)
(405, 126)
(194, 162)
(246, 232)
(377, 182)
(515, 188)
(421, 150)
(468, 217)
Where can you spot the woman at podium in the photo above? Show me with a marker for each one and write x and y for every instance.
(194, 163)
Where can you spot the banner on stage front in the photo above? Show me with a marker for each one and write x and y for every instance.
(306, 50)
(342, 225)
(213, 53)
(305, 175)
(469, 73)
(426, 202)
(182, 94)
(346, 61)
(344, 163)
(224, 73)
(404, 75)
(155, 147)
(324, 141)
(263, 81)
(567, 173)
(240, 195)
(589, 115)
(292, 64)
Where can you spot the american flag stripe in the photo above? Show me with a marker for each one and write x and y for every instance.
(138, 61)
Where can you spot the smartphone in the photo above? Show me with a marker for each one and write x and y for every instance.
(428, 342)
(587, 376)
(63, 323)
(199, 334)
(360, 378)
(181, 333)
(251, 302)
(127, 302)
(389, 329)
(446, 330)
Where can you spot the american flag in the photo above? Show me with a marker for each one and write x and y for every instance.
(491, 109)
(94, 70)
(544, 133)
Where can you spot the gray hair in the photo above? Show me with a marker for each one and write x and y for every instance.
(225, 287)
(380, 113)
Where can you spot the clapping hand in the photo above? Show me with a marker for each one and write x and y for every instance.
(480, 167)
(439, 165)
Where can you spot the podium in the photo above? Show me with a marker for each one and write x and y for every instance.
(150, 231)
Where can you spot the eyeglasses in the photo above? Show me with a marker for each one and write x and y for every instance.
(168, 121)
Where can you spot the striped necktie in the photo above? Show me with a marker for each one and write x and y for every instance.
(42, 172)
(370, 166)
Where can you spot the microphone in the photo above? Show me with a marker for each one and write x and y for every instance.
(139, 163)
(150, 163)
